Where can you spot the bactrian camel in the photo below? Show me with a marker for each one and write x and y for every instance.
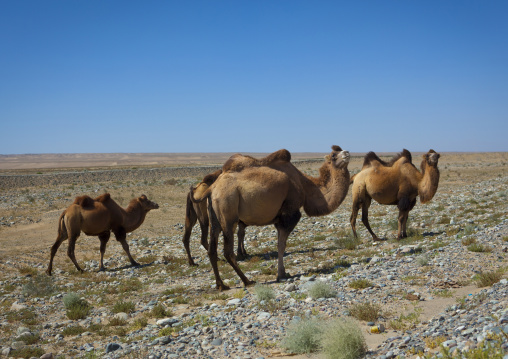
(271, 194)
(395, 183)
(98, 217)
(197, 212)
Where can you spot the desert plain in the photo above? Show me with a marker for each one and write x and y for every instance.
(425, 290)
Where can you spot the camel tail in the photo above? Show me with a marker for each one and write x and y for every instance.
(205, 195)
(62, 229)
(352, 179)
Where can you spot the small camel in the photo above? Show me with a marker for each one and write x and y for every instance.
(271, 194)
(98, 217)
(397, 182)
(197, 212)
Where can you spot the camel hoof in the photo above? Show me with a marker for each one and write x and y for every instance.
(193, 264)
(48, 272)
(222, 287)
(284, 276)
(102, 269)
(135, 264)
(249, 283)
(376, 239)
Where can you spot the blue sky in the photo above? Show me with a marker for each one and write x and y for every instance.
(253, 76)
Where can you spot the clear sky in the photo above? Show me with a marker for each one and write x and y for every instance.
(253, 76)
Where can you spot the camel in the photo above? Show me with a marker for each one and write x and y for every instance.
(271, 194)
(197, 212)
(395, 183)
(98, 217)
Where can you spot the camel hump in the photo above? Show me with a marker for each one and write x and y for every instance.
(84, 201)
(211, 177)
(238, 162)
(371, 158)
(405, 153)
(103, 197)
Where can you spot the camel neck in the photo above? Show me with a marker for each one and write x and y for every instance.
(324, 194)
(427, 187)
(134, 217)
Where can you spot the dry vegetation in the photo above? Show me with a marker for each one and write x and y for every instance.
(28, 224)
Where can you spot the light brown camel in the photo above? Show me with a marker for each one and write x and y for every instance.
(98, 217)
(272, 194)
(395, 183)
(197, 212)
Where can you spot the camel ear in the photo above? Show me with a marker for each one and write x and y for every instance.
(143, 197)
(327, 158)
(336, 148)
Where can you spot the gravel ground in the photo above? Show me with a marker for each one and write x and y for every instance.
(426, 286)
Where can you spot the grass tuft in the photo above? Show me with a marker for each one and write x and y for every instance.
(486, 279)
(303, 336)
(39, 286)
(123, 307)
(321, 290)
(343, 339)
(365, 311)
(360, 284)
(264, 293)
(77, 308)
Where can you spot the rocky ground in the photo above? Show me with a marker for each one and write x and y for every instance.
(443, 286)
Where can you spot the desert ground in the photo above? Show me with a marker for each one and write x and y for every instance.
(168, 309)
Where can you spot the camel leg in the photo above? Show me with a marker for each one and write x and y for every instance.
(190, 221)
(354, 214)
(62, 236)
(104, 238)
(241, 253)
(120, 236)
(229, 253)
(70, 252)
(404, 209)
(215, 230)
(284, 226)
(204, 232)
(365, 218)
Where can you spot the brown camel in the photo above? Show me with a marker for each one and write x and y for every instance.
(98, 217)
(395, 183)
(197, 212)
(271, 194)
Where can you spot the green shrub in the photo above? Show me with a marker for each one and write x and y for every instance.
(486, 279)
(360, 284)
(479, 248)
(77, 308)
(303, 336)
(159, 311)
(39, 286)
(321, 290)
(423, 260)
(264, 293)
(343, 339)
(123, 307)
(365, 311)
(347, 242)
(73, 330)
(27, 352)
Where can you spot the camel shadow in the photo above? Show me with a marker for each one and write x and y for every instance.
(127, 266)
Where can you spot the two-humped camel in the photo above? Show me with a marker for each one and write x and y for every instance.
(197, 212)
(98, 217)
(395, 183)
(271, 194)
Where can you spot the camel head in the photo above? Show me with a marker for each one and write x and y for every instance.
(431, 158)
(146, 204)
(338, 158)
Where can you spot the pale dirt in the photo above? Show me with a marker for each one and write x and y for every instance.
(30, 242)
